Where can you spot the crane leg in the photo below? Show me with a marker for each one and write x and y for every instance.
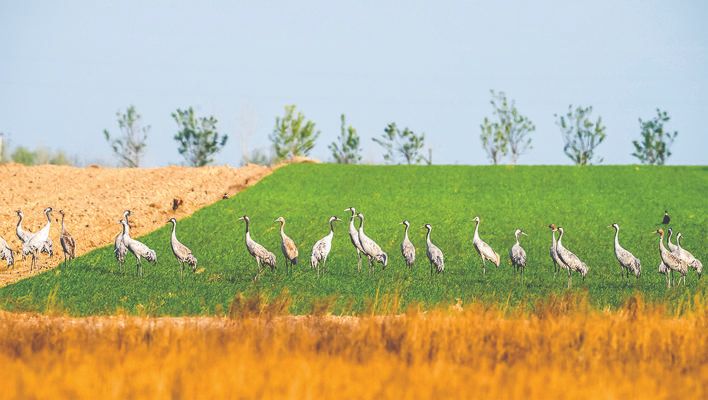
(358, 265)
(484, 267)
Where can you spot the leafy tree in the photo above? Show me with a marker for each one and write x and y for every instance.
(198, 138)
(581, 136)
(292, 136)
(23, 155)
(130, 146)
(405, 143)
(348, 150)
(654, 149)
(510, 129)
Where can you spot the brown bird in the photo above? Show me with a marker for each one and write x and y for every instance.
(68, 244)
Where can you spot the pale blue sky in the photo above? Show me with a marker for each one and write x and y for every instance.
(67, 67)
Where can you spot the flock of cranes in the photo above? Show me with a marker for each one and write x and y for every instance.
(675, 258)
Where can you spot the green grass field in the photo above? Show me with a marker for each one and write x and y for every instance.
(583, 200)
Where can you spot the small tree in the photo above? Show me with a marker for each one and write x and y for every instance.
(405, 143)
(23, 155)
(292, 136)
(581, 136)
(348, 150)
(654, 149)
(511, 129)
(198, 138)
(130, 146)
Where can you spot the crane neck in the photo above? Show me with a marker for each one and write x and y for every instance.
(553, 235)
(517, 238)
(174, 228)
(331, 226)
(427, 237)
(617, 233)
(559, 239)
(49, 219)
(282, 226)
(126, 229)
(661, 243)
(406, 232)
(476, 230)
(19, 222)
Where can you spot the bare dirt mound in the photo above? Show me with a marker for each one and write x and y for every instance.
(94, 199)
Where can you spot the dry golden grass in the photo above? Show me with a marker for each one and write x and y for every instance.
(562, 351)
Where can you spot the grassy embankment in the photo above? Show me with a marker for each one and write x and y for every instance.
(582, 200)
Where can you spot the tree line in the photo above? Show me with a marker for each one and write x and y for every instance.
(505, 133)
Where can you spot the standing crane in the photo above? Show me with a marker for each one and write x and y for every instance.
(321, 249)
(68, 244)
(121, 249)
(434, 254)
(139, 250)
(484, 250)
(407, 248)
(182, 253)
(663, 269)
(354, 236)
(38, 241)
(557, 262)
(669, 259)
(6, 253)
(287, 246)
(628, 262)
(570, 259)
(258, 252)
(518, 255)
(371, 249)
(688, 258)
(22, 234)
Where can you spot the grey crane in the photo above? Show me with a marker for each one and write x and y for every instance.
(670, 260)
(120, 249)
(688, 258)
(287, 246)
(258, 252)
(485, 251)
(321, 249)
(517, 254)
(663, 269)
(407, 248)
(571, 260)
(557, 262)
(354, 236)
(182, 253)
(68, 244)
(434, 254)
(6, 253)
(628, 262)
(139, 250)
(22, 234)
(37, 242)
(371, 249)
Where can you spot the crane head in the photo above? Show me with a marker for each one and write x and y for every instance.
(280, 219)
(406, 223)
(614, 226)
(426, 226)
(174, 221)
(475, 219)
(659, 231)
(245, 217)
(351, 209)
(552, 226)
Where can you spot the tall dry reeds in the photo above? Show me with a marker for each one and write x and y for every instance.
(563, 350)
